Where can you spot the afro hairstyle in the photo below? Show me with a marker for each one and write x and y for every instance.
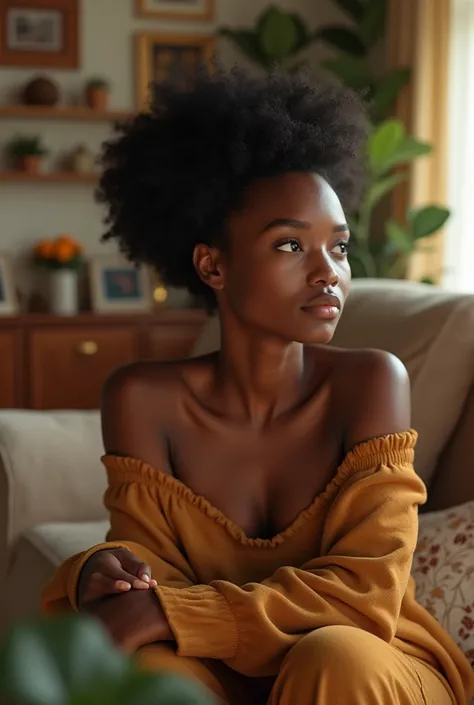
(172, 175)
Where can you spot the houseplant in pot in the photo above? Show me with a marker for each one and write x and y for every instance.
(27, 153)
(70, 661)
(97, 93)
(63, 258)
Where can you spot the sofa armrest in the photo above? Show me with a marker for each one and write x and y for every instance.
(50, 471)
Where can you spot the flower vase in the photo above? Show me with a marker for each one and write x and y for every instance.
(64, 292)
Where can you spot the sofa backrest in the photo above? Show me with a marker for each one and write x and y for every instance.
(432, 332)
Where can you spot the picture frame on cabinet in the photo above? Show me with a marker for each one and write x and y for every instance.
(119, 286)
(162, 59)
(9, 305)
(189, 10)
(39, 33)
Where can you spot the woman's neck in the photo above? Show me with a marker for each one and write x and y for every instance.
(258, 377)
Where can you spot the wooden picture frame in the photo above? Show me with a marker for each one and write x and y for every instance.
(118, 286)
(192, 11)
(39, 33)
(155, 48)
(9, 305)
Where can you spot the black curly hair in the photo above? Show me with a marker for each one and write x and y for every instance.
(174, 174)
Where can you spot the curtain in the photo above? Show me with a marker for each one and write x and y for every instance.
(419, 37)
(459, 274)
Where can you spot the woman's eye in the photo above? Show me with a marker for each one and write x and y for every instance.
(290, 246)
(341, 248)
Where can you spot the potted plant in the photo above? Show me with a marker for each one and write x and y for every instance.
(97, 94)
(27, 152)
(70, 659)
(63, 257)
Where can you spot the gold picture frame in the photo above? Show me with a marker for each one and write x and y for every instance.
(160, 57)
(192, 11)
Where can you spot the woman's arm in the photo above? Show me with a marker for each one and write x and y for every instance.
(137, 522)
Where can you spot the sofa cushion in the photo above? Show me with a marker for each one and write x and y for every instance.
(443, 569)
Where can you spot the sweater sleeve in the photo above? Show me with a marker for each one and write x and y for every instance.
(358, 579)
(138, 524)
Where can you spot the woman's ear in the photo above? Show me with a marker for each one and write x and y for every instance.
(209, 266)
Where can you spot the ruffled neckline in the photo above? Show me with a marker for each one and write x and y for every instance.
(395, 448)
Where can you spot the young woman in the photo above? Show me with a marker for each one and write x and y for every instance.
(263, 501)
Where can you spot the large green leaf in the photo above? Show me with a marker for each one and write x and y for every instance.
(407, 151)
(386, 92)
(277, 34)
(426, 221)
(372, 24)
(247, 42)
(354, 73)
(384, 143)
(399, 236)
(42, 661)
(343, 39)
(304, 36)
(354, 8)
(381, 187)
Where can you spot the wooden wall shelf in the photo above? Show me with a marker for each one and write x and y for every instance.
(79, 113)
(68, 177)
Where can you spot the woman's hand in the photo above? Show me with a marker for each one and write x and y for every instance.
(133, 619)
(112, 572)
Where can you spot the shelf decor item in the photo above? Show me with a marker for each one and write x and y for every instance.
(118, 285)
(165, 59)
(41, 91)
(27, 153)
(97, 94)
(8, 296)
(64, 258)
(190, 10)
(39, 33)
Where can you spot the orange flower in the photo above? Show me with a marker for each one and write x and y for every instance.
(64, 251)
(44, 249)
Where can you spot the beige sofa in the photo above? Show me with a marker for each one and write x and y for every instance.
(51, 478)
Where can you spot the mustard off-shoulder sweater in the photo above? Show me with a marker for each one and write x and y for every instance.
(345, 560)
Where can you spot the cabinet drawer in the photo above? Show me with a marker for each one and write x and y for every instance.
(70, 365)
(10, 366)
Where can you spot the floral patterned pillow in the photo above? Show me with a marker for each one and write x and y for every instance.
(443, 569)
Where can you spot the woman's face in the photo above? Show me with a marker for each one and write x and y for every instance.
(286, 271)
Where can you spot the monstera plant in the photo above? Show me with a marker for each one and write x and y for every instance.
(70, 661)
(279, 38)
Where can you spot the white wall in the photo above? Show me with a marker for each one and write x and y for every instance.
(108, 27)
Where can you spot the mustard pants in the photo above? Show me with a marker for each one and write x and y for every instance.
(330, 666)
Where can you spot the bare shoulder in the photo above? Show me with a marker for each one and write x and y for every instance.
(375, 387)
(139, 402)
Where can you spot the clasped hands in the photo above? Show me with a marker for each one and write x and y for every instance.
(116, 588)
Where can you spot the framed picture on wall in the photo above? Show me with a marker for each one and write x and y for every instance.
(118, 285)
(39, 33)
(8, 297)
(176, 9)
(166, 59)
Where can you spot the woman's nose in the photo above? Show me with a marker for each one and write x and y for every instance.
(323, 272)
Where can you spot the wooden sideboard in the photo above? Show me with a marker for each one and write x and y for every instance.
(54, 362)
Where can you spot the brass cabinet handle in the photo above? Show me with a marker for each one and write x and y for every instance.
(87, 347)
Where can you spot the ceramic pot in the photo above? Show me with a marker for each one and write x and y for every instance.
(64, 292)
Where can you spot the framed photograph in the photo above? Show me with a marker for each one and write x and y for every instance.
(8, 297)
(166, 59)
(194, 10)
(39, 33)
(118, 286)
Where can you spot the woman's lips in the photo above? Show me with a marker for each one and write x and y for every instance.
(322, 311)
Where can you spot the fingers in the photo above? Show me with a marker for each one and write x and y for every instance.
(138, 569)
